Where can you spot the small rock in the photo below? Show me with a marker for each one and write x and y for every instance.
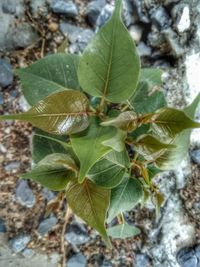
(22, 36)
(172, 39)
(136, 33)
(160, 18)
(38, 7)
(46, 225)
(53, 26)
(2, 226)
(28, 253)
(12, 166)
(105, 14)
(24, 195)
(142, 260)
(106, 263)
(139, 11)
(197, 252)
(93, 10)
(195, 155)
(144, 50)
(78, 260)
(66, 7)
(128, 16)
(77, 234)
(6, 74)
(181, 14)
(78, 37)
(186, 258)
(48, 194)
(9, 6)
(156, 39)
(1, 99)
(19, 243)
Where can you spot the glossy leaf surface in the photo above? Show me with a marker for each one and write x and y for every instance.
(110, 65)
(124, 197)
(123, 231)
(60, 113)
(52, 73)
(88, 145)
(53, 172)
(90, 202)
(109, 171)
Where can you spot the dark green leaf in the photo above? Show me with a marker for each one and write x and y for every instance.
(109, 171)
(143, 129)
(150, 147)
(124, 197)
(168, 122)
(53, 172)
(48, 75)
(110, 65)
(90, 202)
(88, 145)
(153, 171)
(126, 121)
(123, 231)
(60, 113)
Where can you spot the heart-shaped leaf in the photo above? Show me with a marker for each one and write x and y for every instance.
(168, 122)
(126, 121)
(109, 171)
(52, 73)
(90, 202)
(173, 157)
(110, 65)
(60, 113)
(123, 231)
(53, 172)
(88, 145)
(124, 197)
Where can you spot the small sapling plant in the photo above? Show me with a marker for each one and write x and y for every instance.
(102, 128)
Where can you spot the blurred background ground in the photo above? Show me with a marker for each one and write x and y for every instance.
(167, 34)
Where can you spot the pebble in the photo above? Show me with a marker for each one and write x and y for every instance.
(9, 6)
(2, 226)
(12, 166)
(20, 242)
(139, 11)
(48, 194)
(186, 258)
(28, 253)
(53, 26)
(46, 225)
(136, 32)
(78, 260)
(106, 263)
(78, 37)
(93, 10)
(160, 18)
(195, 155)
(183, 22)
(24, 195)
(142, 260)
(77, 234)
(66, 7)
(128, 16)
(105, 14)
(1, 99)
(156, 39)
(6, 74)
(144, 50)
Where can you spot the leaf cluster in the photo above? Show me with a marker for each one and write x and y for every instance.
(102, 128)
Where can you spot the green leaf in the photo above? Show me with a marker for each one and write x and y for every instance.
(173, 157)
(53, 172)
(168, 122)
(123, 231)
(143, 129)
(117, 142)
(60, 113)
(109, 171)
(110, 65)
(126, 121)
(150, 147)
(90, 202)
(143, 102)
(48, 75)
(153, 171)
(88, 145)
(158, 200)
(151, 76)
(124, 197)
